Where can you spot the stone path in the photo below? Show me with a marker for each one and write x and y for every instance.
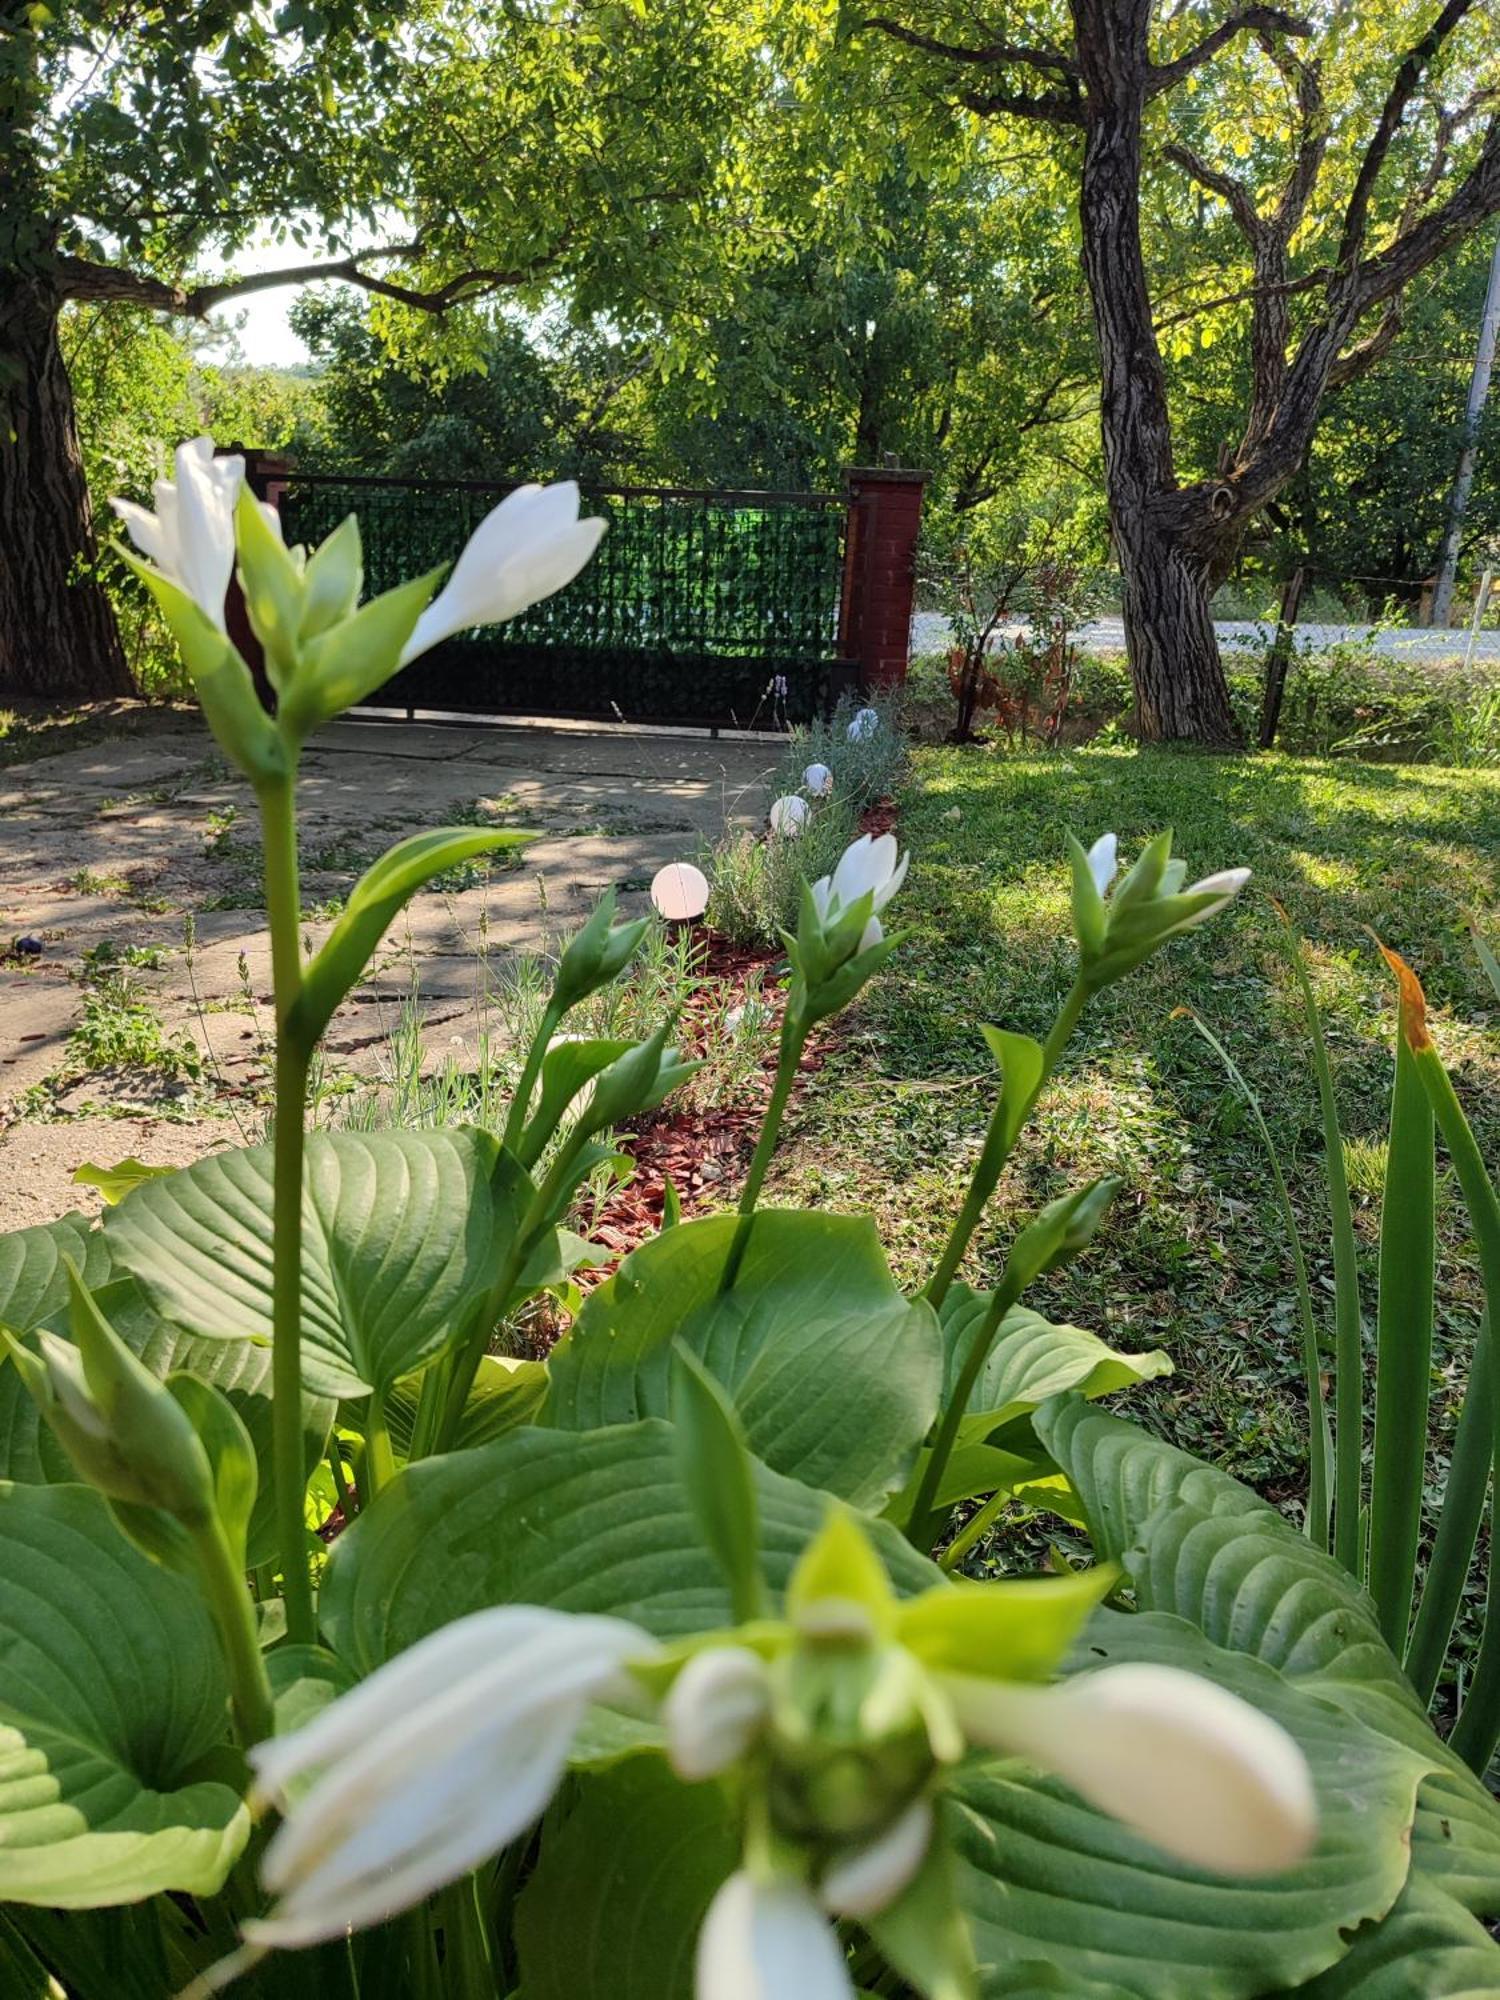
(129, 878)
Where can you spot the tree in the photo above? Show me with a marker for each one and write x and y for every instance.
(1334, 220)
(596, 144)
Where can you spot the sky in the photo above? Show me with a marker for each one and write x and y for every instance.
(260, 322)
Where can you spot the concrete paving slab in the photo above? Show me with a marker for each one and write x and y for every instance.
(115, 854)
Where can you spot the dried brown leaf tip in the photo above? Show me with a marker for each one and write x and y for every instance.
(1413, 1001)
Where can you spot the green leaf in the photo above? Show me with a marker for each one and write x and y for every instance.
(717, 1476)
(346, 664)
(1197, 1543)
(505, 1526)
(833, 1373)
(1041, 1875)
(1021, 1061)
(239, 1369)
(112, 1698)
(402, 1232)
(304, 1681)
(231, 1456)
(1426, 1949)
(33, 1281)
(924, 1935)
(115, 1182)
(973, 1472)
(375, 900)
(614, 1907)
(1032, 1359)
(567, 1068)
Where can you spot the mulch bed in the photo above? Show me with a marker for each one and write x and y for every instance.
(705, 1153)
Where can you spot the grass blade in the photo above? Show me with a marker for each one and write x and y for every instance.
(1403, 1343)
(1478, 1727)
(1349, 1372)
(1320, 1443)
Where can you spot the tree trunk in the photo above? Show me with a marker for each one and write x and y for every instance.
(57, 632)
(1181, 692)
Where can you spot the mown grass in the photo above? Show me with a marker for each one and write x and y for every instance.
(1193, 1257)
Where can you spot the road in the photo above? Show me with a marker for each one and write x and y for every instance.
(1107, 635)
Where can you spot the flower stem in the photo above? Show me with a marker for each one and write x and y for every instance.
(380, 1461)
(283, 908)
(1006, 1122)
(920, 1527)
(520, 1103)
(234, 1614)
(794, 1032)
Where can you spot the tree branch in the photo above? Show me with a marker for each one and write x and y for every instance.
(83, 279)
(1259, 20)
(1227, 187)
(991, 56)
(1051, 108)
(1403, 88)
(1473, 201)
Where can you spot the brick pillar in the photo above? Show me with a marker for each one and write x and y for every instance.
(880, 571)
(266, 474)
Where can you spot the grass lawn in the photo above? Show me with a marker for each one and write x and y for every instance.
(1193, 1257)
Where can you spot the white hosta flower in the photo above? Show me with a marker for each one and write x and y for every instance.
(1199, 1772)
(768, 1940)
(1104, 861)
(714, 1711)
(1223, 886)
(190, 537)
(863, 725)
(788, 815)
(818, 779)
(435, 1762)
(522, 551)
(867, 866)
(868, 1880)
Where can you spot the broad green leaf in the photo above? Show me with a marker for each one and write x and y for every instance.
(1428, 1948)
(614, 1907)
(834, 1374)
(115, 1182)
(1197, 1543)
(112, 1697)
(1032, 1359)
(374, 902)
(1041, 1875)
(504, 1525)
(506, 1392)
(402, 1233)
(304, 1680)
(973, 1472)
(239, 1369)
(33, 1282)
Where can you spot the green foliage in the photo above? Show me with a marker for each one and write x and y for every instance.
(576, 1549)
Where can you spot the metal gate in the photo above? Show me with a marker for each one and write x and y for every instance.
(700, 608)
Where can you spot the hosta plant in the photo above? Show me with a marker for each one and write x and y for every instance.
(649, 1670)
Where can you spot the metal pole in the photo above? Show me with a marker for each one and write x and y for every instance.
(1463, 478)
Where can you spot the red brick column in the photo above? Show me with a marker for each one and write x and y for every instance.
(880, 571)
(266, 474)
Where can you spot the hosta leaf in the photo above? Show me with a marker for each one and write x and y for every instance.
(402, 1233)
(33, 1284)
(1042, 1875)
(833, 1372)
(112, 1697)
(114, 1183)
(1426, 1949)
(613, 1910)
(240, 1369)
(1031, 1360)
(506, 1524)
(1197, 1543)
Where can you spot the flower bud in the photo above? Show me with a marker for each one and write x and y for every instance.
(863, 1881)
(600, 952)
(635, 1082)
(849, 1745)
(714, 1711)
(1117, 929)
(124, 1432)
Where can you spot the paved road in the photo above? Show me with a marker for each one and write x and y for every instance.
(1106, 635)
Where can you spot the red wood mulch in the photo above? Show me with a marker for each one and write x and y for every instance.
(705, 1153)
